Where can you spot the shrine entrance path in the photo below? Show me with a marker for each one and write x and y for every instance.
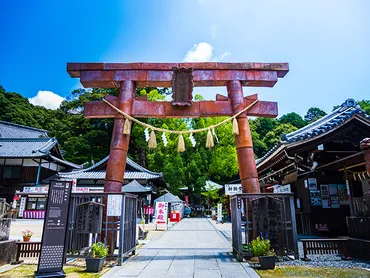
(191, 248)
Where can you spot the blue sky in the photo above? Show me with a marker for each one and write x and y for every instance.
(326, 43)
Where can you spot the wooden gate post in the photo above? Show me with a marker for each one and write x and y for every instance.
(243, 141)
(119, 145)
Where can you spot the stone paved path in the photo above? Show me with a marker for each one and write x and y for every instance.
(192, 248)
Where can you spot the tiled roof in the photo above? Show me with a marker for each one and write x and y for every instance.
(100, 175)
(31, 148)
(11, 130)
(325, 124)
(92, 173)
(336, 118)
(22, 147)
(65, 162)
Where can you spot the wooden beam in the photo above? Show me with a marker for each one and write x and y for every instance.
(164, 109)
(75, 69)
(155, 78)
(221, 97)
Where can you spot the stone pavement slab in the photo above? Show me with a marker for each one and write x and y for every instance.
(192, 248)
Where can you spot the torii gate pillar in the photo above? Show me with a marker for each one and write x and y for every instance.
(116, 165)
(243, 141)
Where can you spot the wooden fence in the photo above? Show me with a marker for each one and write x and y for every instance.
(269, 215)
(324, 246)
(28, 250)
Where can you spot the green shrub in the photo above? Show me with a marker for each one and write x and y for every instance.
(98, 250)
(260, 247)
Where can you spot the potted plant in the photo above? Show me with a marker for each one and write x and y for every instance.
(27, 235)
(261, 248)
(96, 256)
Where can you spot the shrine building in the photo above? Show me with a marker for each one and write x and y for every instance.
(323, 165)
(138, 180)
(27, 157)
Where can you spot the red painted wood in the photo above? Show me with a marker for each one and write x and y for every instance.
(119, 145)
(243, 141)
(156, 78)
(74, 69)
(149, 109)
(221, 97)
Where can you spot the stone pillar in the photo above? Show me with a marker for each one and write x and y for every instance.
(119, 145)
(365, 146)
(243, 141)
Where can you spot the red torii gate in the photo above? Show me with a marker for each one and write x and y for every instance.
(181, 77)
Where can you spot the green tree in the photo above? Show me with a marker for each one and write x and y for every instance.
(293, 119)
(313, 114)
(264, 125)
(365, 105)
(274, 136)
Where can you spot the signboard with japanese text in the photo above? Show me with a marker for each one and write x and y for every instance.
(282, 189)
(80, 190)
(334, 199)
(342, 194)
(231, 189)
(312, 184)
(36, 189)
(114, 205)
(161, 212)
(22, 206)
(315, 197)
(325, 196)
(219, 212)
(54, 231)
(89, 218)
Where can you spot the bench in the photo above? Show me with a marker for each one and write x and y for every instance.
(28, 250)
(323, 246)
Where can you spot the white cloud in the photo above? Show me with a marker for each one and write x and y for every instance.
(200, 52)
(213, 31)
(224, 55)
(47, 99)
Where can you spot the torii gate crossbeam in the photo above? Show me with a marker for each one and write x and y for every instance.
(129, 76)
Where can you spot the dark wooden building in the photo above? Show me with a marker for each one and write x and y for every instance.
(27, 157)
(323, 165)
(140, 181)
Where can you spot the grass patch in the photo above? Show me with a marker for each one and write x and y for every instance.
(317, 272)
(27, 270)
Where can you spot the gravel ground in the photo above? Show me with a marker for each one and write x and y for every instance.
(316, 260)
(324, 260)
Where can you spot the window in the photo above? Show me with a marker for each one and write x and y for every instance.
(12, 172)
(31, 204)
(41, 203)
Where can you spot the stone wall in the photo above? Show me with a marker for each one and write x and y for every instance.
(5, 228)
(8, 251)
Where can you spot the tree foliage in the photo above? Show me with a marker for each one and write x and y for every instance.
(313, 114)
(293, 119)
